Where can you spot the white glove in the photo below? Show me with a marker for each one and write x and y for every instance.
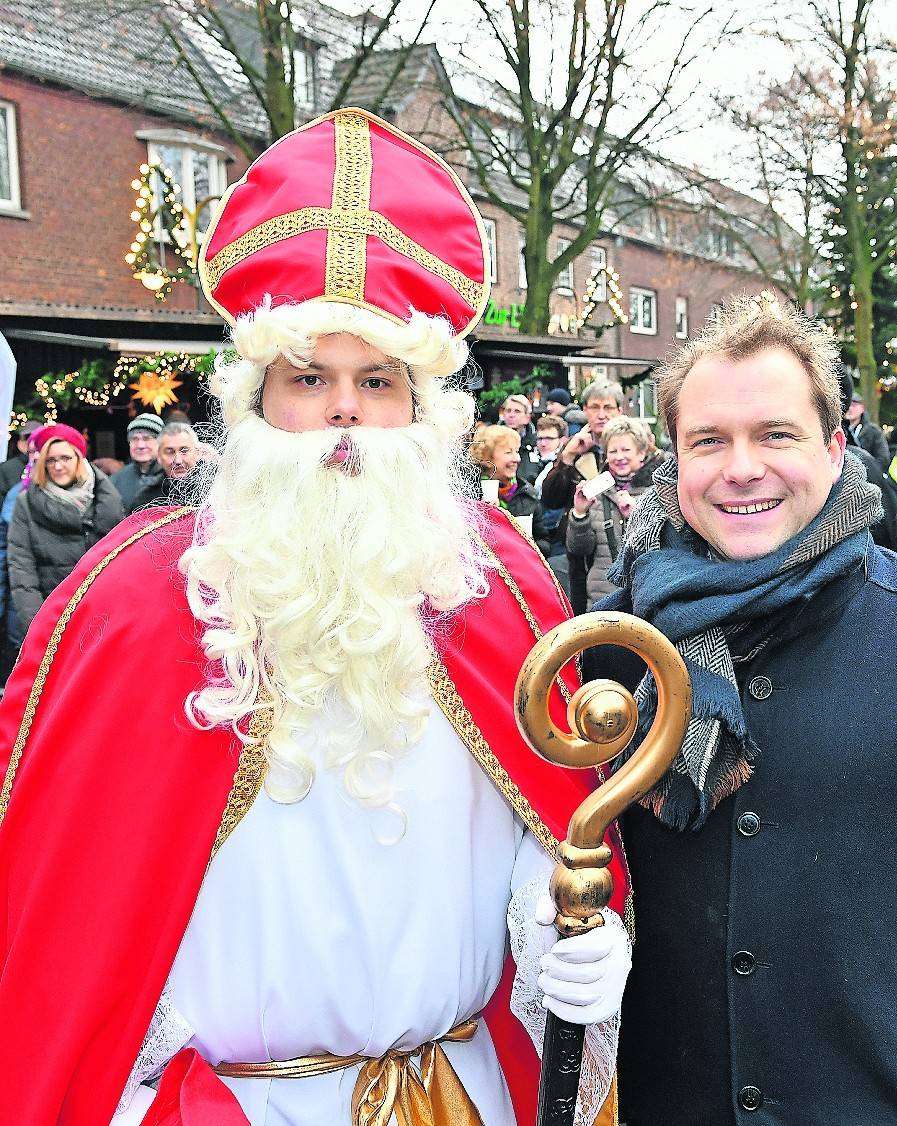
(583, 977)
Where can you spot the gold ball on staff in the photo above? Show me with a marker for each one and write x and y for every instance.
(603, 712)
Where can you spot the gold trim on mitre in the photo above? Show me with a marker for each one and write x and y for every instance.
(348, 222)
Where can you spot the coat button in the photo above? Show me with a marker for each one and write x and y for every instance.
(748, 824)
(760, 687)
(743, 963)
(750, 1098)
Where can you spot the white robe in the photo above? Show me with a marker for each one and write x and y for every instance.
(310, 936)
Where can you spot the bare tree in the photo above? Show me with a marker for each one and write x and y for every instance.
(564, 138)
(845, 66)
(784, 141)
(266, 49)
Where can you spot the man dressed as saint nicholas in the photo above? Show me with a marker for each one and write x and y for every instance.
(268, 868)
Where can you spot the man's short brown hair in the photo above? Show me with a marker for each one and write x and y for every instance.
(745, 325)
(552, 422)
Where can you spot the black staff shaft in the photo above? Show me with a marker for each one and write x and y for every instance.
(561, 1064)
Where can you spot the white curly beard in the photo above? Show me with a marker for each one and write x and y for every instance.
(320, 582)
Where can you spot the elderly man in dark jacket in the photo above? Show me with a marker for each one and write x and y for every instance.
(866, 434)
(765, 969)
(143, 472)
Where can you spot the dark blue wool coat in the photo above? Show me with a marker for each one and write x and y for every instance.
(764, 987)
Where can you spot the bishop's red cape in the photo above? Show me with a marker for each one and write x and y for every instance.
(112, 802)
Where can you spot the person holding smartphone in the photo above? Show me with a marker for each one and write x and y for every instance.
(602, 506)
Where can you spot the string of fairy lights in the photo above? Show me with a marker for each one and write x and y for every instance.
(155, 375)
(613, 295)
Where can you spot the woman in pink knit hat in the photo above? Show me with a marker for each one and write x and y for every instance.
(68, 506)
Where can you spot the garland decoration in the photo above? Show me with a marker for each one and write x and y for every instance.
(153, 378)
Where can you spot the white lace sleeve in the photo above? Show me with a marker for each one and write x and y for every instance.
(529, 941)
(169, 1031)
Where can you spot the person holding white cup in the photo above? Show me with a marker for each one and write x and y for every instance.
(496, 450)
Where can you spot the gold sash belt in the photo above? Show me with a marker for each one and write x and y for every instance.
(387, 1085)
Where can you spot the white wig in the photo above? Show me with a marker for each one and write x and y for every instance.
(425, 344)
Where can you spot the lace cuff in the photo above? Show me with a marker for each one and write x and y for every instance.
(169, 1031)
(529, 941)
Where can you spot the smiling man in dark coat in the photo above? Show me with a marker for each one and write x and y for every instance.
(765, 963)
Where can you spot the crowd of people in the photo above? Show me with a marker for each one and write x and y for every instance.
(299, 866)
(56, 503)
(541, 459)
(542, 468)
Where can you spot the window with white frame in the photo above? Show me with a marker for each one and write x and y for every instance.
(599, 266)
(304, 72)
(643, 311)
(198, 168)
(521, 278)
(565, 277)
(492, 242)
(647, 400)
(10, 195)
(681, 318)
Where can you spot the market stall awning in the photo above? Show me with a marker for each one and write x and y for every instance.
(123, 345)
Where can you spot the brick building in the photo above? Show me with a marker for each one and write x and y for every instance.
(82, 108)
(664, 267)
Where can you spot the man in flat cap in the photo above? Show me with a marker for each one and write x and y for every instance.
(271, 872)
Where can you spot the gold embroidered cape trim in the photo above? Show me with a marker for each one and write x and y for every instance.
(53, 645)
(557, 586)
(511, 583)
(349, 222)
(455, 710)
(252, 766)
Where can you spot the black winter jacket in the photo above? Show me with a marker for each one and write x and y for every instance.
(130, 482)
(873, 441)
(10, 472)
(525, 503)
(47, 537)
(765, 968)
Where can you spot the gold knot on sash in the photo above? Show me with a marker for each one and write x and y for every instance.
(389, 1084)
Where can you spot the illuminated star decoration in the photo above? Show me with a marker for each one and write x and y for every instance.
(155, 390)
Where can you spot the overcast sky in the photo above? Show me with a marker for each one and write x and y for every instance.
(738, 67)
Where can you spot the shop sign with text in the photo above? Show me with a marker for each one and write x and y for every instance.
(503, 314)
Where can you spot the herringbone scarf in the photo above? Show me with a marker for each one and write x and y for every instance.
(710, 608)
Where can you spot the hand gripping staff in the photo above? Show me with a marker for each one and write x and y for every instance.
(602, 716)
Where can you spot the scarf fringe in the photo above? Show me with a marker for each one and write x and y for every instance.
(675, 801)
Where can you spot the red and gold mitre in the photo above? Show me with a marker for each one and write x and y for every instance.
(348, 208)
